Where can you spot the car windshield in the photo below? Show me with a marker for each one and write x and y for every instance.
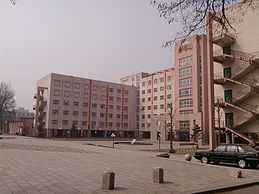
(248, 148)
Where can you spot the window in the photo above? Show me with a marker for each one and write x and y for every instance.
(110, 98)
(125, 100)
(149, 91)
(84, 113)
(65, 122)
(94, 105)
(75, 113)
(185, 103)
(143, 91)
(57, 83)
(110, 124)
(161, 88)
(56, 92)
(54, 122)
(149, 82)
(186, 61)
(185, 82)
(102, 106)
(184, 125)
(162, 97)
(76, 85)
(143, 116)
(169, 96)
(66, 102)
(169, 78)
(143, 108)
(220, 148)
(126, 91)
(110, 115)
(94, 114)
(118, 125)
(143, 83)
(101, 124)
(185, 92)
(66, 94)
(148, 125)
(66, 112)
(149, 99)
(155, 89)
(118, 116)
(118, 91)
(185, 72)
(155, 81)
(118, 107)
(101, 115)
(85, 104)
(155, 98)
(76, 103)
(55, 112)
(125, 125)
(56, 102)
(110, 106)
(169, 87)
(118, 99)
(125, 108)
(148, 116)
(84, 123)
(75, 123)
(67, 84)
(231, 148)
(143, 99)
(111, 89)
(93, 123)
(161, 79)
(155, 107)
(125, 116)
(161, 106)
(76, 94)
(149, 107)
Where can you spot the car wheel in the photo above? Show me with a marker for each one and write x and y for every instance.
(204, 160)
(253, 165)
(242, 163)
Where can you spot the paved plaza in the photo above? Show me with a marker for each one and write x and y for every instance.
(31, 165)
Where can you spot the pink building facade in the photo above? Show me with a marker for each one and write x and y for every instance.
(191, 90)
(87, 108)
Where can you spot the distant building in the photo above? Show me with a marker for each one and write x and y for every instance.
(74, 106)
(18, 121)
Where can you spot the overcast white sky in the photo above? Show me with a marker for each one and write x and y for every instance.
(99, 39)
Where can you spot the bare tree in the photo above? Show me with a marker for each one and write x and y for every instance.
(191, 14)
(171, 114)
(7, 101)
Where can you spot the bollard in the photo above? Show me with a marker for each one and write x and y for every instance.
(108, 180)
(158, 175)
(188, 157)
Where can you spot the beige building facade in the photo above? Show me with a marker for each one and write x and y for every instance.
(73, 106)
(236, 76)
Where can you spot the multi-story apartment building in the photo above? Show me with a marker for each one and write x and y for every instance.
(236, 67)
(156, 97)
(135, 80)
(190, 88)
(74, 106)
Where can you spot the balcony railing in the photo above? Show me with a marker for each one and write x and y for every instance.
(219, 56)
(223, 39)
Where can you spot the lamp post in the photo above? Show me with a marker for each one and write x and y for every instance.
(113, 138)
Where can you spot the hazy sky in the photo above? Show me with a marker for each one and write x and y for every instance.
(99, 39)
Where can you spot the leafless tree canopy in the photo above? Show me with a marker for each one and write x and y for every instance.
(7, 101)
(192, 14)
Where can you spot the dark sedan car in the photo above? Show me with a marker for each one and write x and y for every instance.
(242, 155)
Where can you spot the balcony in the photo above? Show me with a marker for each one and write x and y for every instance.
(220, 57)
(224, 39)
(255, 57)
(219, 78)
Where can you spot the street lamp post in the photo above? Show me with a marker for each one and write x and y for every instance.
(113, 138)
(171, 128)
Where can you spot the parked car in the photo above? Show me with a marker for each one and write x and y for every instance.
(242, 155)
